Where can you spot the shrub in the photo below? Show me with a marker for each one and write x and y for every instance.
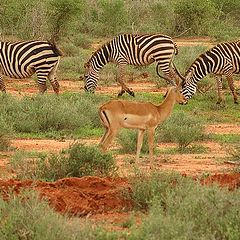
(128, 141)
(234, 152)
(77, 161)
(146, 187)
(27, 217)
(5, 134)
(182, 129)
(195, 15)
(46, 113)
(184, 209)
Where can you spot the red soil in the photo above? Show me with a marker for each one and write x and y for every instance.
(93, 195)
(76, 196)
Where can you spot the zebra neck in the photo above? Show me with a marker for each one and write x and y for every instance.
(100, 58)
(201, 67)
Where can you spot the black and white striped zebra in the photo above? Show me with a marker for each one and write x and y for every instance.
(129, 49)
(22, 59)
(222, 60)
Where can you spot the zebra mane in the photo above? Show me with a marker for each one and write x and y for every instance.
(105, 45)
(191, 68)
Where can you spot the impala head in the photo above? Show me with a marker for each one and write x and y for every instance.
(90, 78)
(176, 91)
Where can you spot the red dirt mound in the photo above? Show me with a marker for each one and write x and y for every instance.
(93, 195)
(232, 181)
(76, 196)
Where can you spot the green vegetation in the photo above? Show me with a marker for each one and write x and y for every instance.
(104, 18)
(5, 135)
(77, 161)
(76, 27)
(128, 141)
(182, 129)
(174, 207)
(64, 114)
(234, 152)
(178, 208)
(27, 217)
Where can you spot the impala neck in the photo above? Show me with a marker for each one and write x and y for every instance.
(166, 107)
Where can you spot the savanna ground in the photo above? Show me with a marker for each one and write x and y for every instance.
(97, 198)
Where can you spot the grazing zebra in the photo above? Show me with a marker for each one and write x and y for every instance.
(129, 49)
(223, 59)
(23, 59)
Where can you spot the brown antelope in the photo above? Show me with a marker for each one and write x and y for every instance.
(117, 114)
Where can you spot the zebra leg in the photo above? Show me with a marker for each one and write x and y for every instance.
(124, 88)
(42, 79)
(2, 85)
(53, 80)
(232, 88)
(221, 97)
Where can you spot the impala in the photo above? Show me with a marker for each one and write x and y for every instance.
(117, 114)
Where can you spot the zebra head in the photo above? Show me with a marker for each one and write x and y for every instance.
(91, 77)
(189, 86)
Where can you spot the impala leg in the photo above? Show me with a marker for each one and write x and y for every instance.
(2, 85)
(232, 88)
(221, 97)
(139, 143)
(104, 135)
(107, 138)
(151, 145)
(121, 76)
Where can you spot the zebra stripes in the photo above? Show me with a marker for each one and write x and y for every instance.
(128, 49)
(23, 59)
(223, 59)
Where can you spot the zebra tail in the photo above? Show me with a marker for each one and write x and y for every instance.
(55, 49)
(176, 48)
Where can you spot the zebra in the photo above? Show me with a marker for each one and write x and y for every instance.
(22, 59)
(132, 49)
(221, 60)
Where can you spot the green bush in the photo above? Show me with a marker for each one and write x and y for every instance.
(5, 134)
(128, 141)
(146, 187)
(184, 209)
(25, 216)
(47, 113)
(234, 152)
(182, 129)
(77, 161)
(195, 15)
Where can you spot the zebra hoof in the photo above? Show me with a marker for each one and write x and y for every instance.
(131, 93)
(121, 93)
